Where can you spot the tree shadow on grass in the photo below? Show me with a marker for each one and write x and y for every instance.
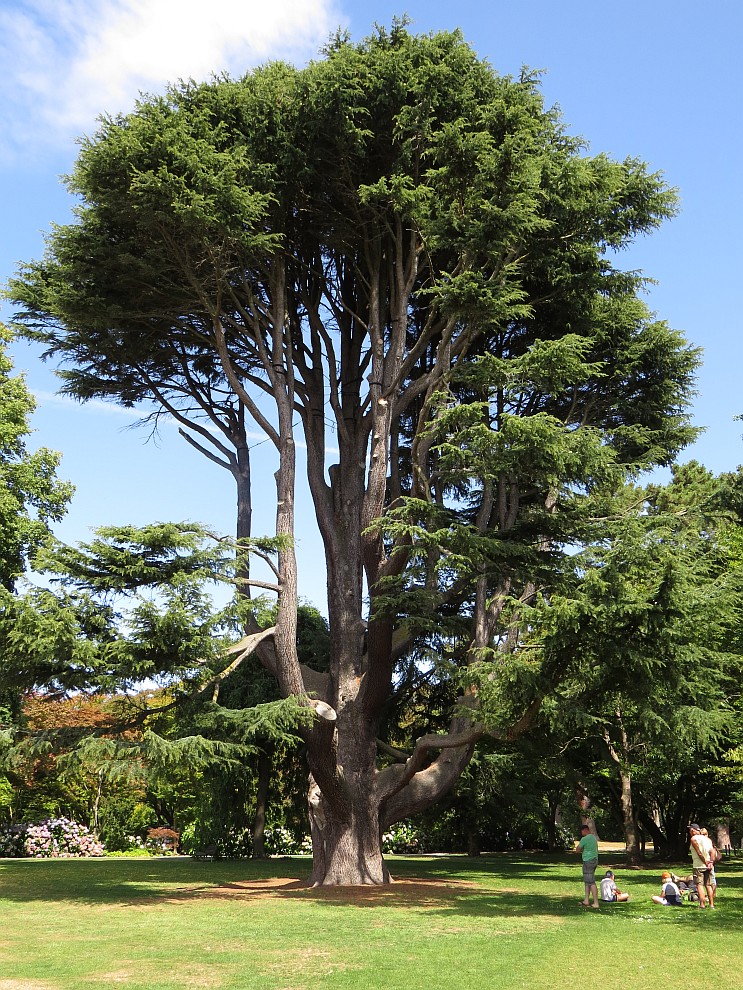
(121, 881)
(467, 891)
(459, 900)
(519, 866)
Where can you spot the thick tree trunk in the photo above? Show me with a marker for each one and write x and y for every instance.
(723, 836)
(344, 801)
(346, 850)
(473, 842)
(345, 816)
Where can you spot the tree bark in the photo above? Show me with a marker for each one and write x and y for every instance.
(551, 822)
(723, 836)
(346, 850)
(97, 798)
(619, 761)
(473, 842)
(632, 849)
(660, 842)
(265, 764)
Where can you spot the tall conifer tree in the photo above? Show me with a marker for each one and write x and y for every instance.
(400, 255)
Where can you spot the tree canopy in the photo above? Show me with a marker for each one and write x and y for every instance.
(397, 254)
(650, 627)
(31, 495)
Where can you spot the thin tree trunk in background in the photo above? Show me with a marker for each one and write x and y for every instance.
(631, 833)
(723, 836)
(620, 763)
(552, 820)
(265, 765)
(473, 842)
(97, 799)
(660, 842)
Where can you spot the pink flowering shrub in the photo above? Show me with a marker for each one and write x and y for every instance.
(57, 838)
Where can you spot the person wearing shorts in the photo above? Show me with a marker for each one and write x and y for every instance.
(712, 875)
(588, 848)
(700, 847)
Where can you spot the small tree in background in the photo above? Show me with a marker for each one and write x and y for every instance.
(652, 625)
(31, 499)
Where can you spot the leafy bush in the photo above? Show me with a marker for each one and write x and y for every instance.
(404, 837)
(123, 823)
(6, 795)
(135, 852)
(162, 840)
(238, 843)
(116, 838)
(280, 841)
(56, 838)
(190, 839)
(12, 838)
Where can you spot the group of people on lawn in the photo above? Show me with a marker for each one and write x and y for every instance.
(703, 855)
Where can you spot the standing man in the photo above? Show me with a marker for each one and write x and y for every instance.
(701, 862)
(588, 848)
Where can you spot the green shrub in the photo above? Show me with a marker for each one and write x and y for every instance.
(405, 837)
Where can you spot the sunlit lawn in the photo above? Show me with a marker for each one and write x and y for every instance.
(451, 922)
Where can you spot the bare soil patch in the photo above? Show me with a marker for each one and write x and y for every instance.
(189, 974)
(421, 891)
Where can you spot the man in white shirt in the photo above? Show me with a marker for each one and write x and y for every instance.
(702, 863)
(609, 889)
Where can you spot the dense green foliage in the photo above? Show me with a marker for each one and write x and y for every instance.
(31, 496)
(656, 625)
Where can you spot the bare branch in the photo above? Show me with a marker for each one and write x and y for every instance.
(204, 450)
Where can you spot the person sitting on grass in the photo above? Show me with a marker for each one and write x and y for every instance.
(609, 889)
(670, 895)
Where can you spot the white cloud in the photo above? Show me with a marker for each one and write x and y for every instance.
(66, 62)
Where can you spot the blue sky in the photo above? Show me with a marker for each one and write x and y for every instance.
(648, 78)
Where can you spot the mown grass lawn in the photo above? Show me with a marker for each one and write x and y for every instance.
(503, 921)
